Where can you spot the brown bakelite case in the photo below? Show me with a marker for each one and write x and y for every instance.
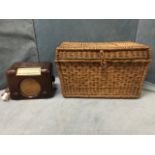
(27, 80)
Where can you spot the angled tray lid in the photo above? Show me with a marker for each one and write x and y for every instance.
(110, 51)
(101, 46)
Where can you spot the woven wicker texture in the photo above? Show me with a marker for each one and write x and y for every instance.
(110, 70)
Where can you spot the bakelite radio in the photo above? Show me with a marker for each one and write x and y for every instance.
(30, 80)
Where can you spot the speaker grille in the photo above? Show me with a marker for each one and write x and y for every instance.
(30, 88)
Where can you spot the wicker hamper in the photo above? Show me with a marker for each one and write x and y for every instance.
(109, 70)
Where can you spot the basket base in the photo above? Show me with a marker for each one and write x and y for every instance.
(106, 97)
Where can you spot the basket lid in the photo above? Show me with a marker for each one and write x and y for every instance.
(111, 51)
(101, 45)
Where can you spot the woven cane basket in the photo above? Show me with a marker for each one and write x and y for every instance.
(108, 70)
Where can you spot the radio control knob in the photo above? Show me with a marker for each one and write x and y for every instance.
(15, 93)
(44, 92)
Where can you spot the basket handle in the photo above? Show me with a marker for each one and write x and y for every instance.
(103, 61)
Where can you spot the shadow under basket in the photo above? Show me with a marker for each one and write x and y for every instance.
(107, 70)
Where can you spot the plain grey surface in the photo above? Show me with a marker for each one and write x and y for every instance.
(60, 115)
(17, 43)
(50, 33)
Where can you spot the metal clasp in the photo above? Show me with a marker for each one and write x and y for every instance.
(103, 61)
